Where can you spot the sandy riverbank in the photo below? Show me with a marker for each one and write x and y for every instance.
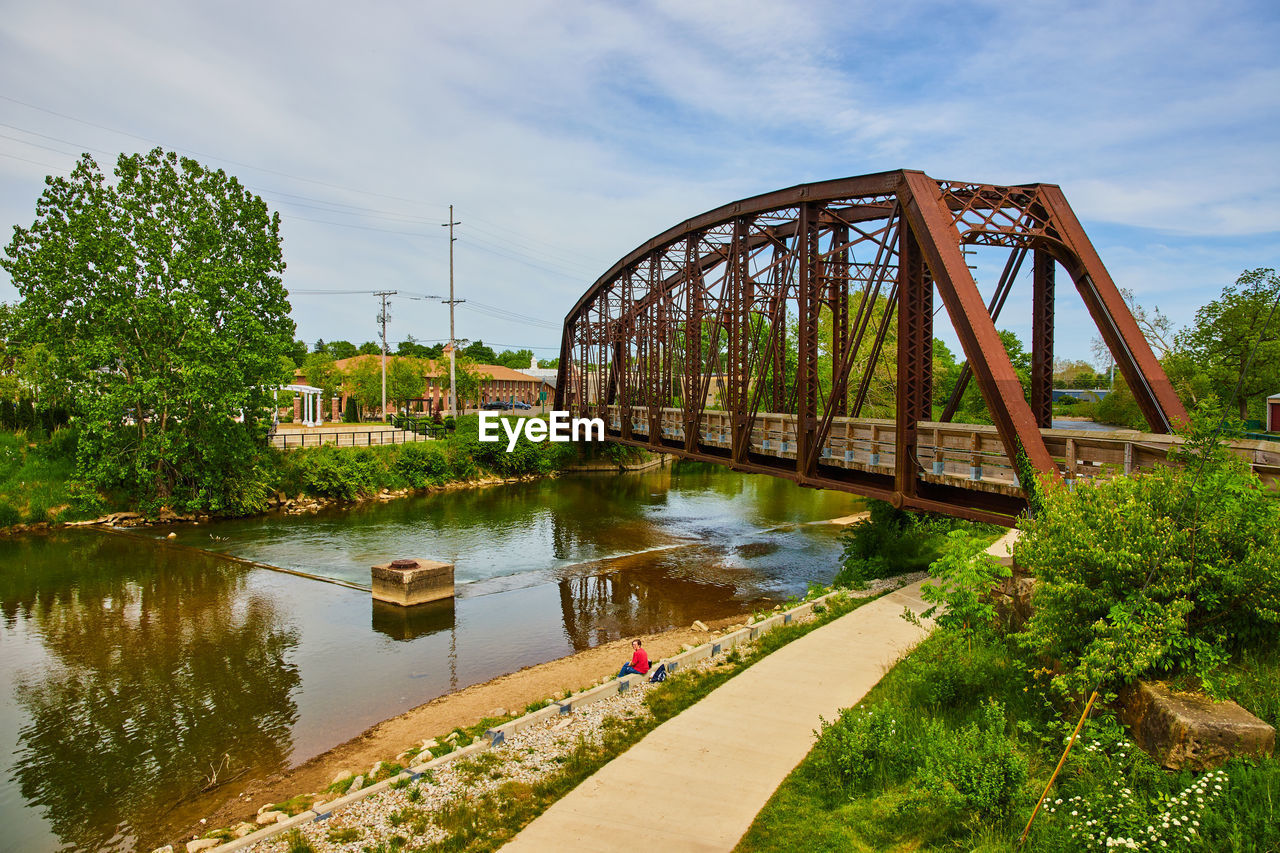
(465, 707)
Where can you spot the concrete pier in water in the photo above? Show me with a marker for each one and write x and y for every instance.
(410, 582)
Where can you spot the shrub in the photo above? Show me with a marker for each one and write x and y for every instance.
(9, 514)
(1157, 573)
(862, 745)
(966, 577)
(422, 464)
(977, 768)
(949, 673)
(892, 542)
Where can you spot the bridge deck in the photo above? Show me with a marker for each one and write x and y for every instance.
(859, 454)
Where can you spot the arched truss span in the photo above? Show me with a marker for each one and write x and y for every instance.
(754, 335)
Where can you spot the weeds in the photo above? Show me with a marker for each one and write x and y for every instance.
(343, 835)
(296, 842)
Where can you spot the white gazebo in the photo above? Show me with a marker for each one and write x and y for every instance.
(310, 402)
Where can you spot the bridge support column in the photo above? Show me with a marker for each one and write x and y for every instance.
(915, 358)
(1042, 339)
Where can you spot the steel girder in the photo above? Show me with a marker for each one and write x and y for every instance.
(782, 304)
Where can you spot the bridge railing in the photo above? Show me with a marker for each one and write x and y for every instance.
(967, 455)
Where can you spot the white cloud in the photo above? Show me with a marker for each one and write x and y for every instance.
(579, 132)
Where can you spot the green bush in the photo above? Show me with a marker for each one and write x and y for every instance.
(422, 464)
(1164, 572)
(965, 578)
(891, 542)
(9, 514)
(1120, 408)
(976, 769)
(948, 674)
(863, 745)
(344, 474)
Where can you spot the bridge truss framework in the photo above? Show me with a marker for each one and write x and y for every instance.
(783, 304)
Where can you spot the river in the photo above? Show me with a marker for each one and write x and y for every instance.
(138, 668)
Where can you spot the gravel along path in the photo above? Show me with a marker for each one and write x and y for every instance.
(526, 756)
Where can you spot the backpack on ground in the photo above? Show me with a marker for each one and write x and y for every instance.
(659, 674)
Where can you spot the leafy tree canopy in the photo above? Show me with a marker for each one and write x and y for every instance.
(158, 299)
(342, 349)
(517, 360)
(369, 348)
(1231, 329)
(480, 353)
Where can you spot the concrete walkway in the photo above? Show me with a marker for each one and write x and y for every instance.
(696, 782)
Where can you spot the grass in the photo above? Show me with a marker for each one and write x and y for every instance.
(35, 474)
(345, 835)
(296, 843)
(295, 805)
(900, 796)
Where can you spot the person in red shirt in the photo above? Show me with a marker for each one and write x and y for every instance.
(639, 663)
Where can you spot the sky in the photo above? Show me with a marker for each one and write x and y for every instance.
(566, 134)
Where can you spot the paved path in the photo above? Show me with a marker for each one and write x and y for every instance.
(700, 778)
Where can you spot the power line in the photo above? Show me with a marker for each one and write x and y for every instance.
(35, 163)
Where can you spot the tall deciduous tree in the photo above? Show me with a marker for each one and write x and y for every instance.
(1233, 328)
(406, 379)
(363, 381)
(320, 371)
(159, 298)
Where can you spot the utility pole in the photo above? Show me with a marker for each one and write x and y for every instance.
(453, 342)
(383, 317)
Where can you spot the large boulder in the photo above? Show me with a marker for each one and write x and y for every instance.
(1012, 599)
(1189, 730)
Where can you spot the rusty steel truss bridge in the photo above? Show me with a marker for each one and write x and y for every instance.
(792, 334)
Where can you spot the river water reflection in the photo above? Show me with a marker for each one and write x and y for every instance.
(141, 669)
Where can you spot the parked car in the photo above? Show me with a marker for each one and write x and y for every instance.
(519, 405)
(496, 406)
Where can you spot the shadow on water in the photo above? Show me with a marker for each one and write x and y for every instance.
(153, 673)
(410, 623)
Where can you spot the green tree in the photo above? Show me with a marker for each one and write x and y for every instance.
(406, 379)
(480, 353)
(320, 371)
(351, 414)
(160, 301)
(369, 348)
(469, 379)
(548, 363)
(516, 360)
(297, 352)
(1230, 329)
(363, 381)
(1162, 572)
(342, 349)
(410, 347)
